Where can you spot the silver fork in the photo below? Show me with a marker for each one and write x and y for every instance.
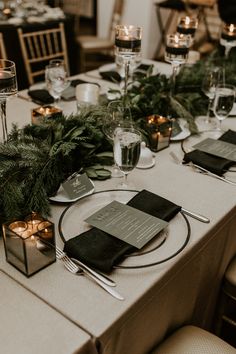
(73, 268)
(87, 269)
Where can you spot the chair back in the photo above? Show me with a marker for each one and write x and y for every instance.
(116, 17)
(3, 54)
(39, 47)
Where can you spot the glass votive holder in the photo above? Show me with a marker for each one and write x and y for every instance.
(86, 95)
(187, 25)
(40, 114)
(159, 130)
(29, 247)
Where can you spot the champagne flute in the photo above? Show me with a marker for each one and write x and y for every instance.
(56, 79)
(8, 88)
(128, 47)
(176, 53)
(127, 143)
(223, 102)
(117, 115)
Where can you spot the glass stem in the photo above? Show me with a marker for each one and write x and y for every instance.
(208, 118)
(173, 78)
(4, 121)
(227, 51)
(127, 64)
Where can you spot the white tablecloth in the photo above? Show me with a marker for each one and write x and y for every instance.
(160, 298)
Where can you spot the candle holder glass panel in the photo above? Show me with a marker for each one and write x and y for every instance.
(187, 25)
(29, 246)
(159, 130)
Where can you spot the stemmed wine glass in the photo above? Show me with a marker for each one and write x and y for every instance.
(228, 37)
(176, 53)
(127, 48)
(117, 115)
(56, 79)
(127, 143)
(8, 88)
(223, 102)
(211, 79)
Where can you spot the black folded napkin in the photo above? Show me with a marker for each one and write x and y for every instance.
(215, 164)
(41, 96)
(102, 251)
(113, 76)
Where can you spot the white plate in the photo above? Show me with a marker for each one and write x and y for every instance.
(147, 166)
(161, 247)
(62, 197)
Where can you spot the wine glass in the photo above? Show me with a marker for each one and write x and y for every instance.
(127, 48)
(8, 88)
(223, 102)
(117, 115)
(56, 79)
(211, 79)
(228, 37)
(127, 143)
(176, 53)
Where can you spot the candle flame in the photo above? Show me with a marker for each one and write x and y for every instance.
(176, 39)
(187, 20)
(231, 27)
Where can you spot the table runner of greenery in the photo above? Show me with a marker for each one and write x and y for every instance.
(36, 159)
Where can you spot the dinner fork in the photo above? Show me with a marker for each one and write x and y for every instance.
(85, 268)
(73, 268)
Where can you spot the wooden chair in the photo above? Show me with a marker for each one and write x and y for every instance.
(3, 54)
(39, 47)
(95, 45)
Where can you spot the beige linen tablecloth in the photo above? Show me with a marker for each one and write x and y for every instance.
(160, 298)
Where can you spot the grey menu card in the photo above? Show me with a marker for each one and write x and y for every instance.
(127, 223)
(78, 186)
(218, 148)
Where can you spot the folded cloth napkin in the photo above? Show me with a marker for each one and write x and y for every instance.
(113, 76)
(101, 250)
(41, 96)
(215, 164)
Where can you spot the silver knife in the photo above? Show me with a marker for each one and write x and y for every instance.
(195, 215)
(94, 273)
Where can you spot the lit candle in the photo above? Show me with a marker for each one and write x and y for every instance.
(19, 227)
(45, 229)
(229, 32)
(177, 45)
(125, 38)
(187, 25)
(39, 114)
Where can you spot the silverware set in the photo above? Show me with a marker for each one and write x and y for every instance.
(104, 282)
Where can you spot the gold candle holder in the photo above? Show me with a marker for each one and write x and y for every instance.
(159, 130)
(29, 244)
(39, 114)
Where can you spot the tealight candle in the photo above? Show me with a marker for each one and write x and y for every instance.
(177, 45)
(187, 25)
(19, 227)
(229, 32)
(39, 114)
(159, 132)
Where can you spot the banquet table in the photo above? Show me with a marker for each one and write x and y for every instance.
(158, 299)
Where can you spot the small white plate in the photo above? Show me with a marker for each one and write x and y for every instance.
(62, 197)
(143, 167)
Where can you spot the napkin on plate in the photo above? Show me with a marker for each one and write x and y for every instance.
(101, 250)
(215, 164)
(41, 96)
(111, 75)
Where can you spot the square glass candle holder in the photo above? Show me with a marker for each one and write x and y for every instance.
(159, 130)
(39, 114)
(29, 244)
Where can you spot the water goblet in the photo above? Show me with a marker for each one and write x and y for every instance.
(56, 79)
(176, 53)
(127, 48)
(213, 76)
(127, 144)
(223, 103)
(117, 115)
(8, 88)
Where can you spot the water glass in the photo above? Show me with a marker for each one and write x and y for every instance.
(86, 94)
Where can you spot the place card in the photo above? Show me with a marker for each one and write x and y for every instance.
(127, 223)
(77, 186)
(218, 148)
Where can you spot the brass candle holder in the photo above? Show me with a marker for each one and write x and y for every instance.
(40, 114)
